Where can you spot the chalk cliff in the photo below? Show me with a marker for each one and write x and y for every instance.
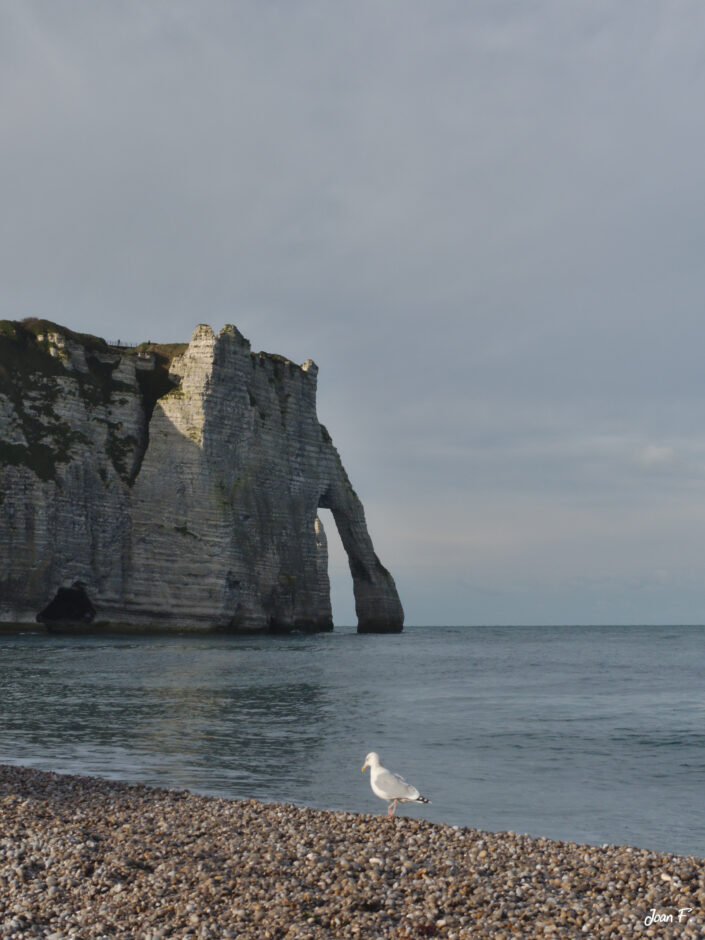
(173, 485)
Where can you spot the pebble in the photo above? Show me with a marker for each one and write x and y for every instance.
(91, 859)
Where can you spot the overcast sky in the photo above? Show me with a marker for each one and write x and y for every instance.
(485, 221)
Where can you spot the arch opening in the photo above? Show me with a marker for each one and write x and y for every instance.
(341, 586)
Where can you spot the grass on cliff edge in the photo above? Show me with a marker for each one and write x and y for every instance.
(25, 359)
(25, 334)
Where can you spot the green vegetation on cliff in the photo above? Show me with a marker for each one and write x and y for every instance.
(33, 373)
(29, 379)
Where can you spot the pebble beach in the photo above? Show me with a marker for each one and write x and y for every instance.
(82, 857)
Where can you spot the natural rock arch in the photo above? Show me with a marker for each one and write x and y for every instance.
(377, 603)
(179, 484)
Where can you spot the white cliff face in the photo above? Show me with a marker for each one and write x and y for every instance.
(70, 435)
(190, 501)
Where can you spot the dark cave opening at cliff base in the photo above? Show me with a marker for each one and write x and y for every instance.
(341, 586)
(69, 605)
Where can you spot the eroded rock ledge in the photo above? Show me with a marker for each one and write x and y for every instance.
(178, 485)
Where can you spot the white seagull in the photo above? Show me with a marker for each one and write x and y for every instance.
(389, 786)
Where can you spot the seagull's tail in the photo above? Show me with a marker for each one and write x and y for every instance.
(421, 799)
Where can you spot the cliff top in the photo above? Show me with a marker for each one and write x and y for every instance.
(31, 333)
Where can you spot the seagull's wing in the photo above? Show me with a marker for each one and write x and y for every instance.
(393, 787)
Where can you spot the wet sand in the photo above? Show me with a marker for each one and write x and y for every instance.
(82, 857)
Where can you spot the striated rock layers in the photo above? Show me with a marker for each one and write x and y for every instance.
(174, 485)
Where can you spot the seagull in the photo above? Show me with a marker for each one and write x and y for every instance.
(389, 786)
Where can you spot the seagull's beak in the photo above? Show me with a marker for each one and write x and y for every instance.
(364, 767)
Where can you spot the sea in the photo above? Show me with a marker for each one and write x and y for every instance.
(583, 734)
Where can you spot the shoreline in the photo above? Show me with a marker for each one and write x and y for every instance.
(107, 628)
(93, 859)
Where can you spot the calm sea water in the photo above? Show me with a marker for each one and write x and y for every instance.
(592, 734)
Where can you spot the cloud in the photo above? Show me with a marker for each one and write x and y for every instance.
(654, 455)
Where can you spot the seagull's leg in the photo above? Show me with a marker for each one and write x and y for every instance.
(392, 808)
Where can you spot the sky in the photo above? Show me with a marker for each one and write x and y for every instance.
(483, 219)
